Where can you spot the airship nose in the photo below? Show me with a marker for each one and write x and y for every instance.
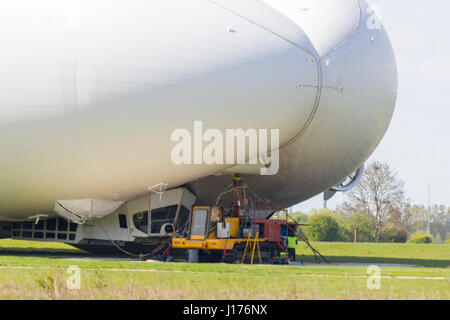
(357, 68)
(358, 83)
(356, 95)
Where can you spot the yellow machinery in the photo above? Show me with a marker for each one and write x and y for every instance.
(210, 235)
(217, 237)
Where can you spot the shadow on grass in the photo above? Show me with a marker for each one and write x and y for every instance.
(430, 263)
(57, 253)
(49, 253)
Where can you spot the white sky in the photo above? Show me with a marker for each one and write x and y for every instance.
(417, 144)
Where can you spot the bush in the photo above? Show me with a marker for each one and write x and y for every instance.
(323, 227)
(447, 242)
(300, 217)
(393, 234)
(421, 238)
(365, 223)
(346, 233)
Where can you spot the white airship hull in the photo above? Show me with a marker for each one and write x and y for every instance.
(90, 92)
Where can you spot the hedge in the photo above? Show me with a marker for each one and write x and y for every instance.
(421, 238)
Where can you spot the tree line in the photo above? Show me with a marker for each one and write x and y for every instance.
(378, 209)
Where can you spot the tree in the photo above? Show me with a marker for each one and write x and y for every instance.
(393, 234)
(440, 222)
(415, 218)
(365, 225)
(300, 217)
(420, 219)
(379, 193)
(323, 227)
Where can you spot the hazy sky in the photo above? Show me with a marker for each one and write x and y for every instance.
(417, 144)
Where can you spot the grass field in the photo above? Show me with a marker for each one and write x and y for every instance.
(37, 270)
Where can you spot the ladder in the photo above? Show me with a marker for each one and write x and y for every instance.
(255, 244)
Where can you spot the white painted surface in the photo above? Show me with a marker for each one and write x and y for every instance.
(90, 92)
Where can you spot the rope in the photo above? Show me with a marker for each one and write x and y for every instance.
(139, 256)
(305, 239)
(224, 192)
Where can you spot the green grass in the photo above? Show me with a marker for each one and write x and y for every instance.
(37, 270)
(7, 245)
(427, 255)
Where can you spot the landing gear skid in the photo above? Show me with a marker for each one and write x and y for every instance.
(317, 255)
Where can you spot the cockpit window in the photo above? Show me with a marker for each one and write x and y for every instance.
(140, 221)
(161, 216)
